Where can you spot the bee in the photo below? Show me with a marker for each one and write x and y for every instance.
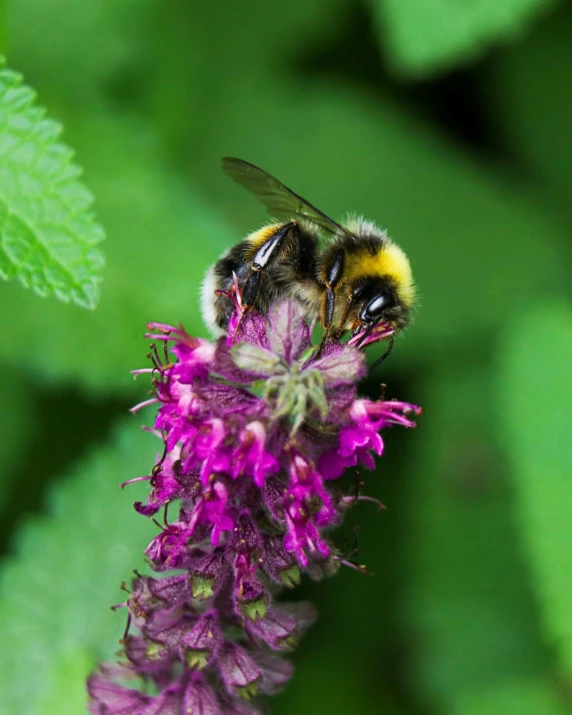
(352, 275)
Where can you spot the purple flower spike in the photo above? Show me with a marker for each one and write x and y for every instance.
(199, 698)
(254, 429)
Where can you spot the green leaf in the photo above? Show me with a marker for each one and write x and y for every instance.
(518, 697)
(423, 37)
(56, 591)
(48, 236)
(162, 238)
(535, 394)
(470, 606)
(527, 86)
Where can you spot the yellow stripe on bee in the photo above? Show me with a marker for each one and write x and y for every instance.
(391, 261)
(258, 238)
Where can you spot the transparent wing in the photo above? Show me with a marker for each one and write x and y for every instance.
(280, 201)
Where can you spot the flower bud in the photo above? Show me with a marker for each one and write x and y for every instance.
(278, 629)
(245, 536)
(238, 670)
(251, 598)
(254, 610)
(169, 548)
(150, 659)
(199, 698)
(274, 493)
(275, 672)
(207, 573)
(110, 697)
(279, 564)
(167, 627)
(172, 590)
(201, 642)
(291, 577)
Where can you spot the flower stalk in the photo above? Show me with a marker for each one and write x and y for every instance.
(256, 430)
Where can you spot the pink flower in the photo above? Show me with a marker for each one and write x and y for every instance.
(361, 436)
(252, 430)
(251, 457)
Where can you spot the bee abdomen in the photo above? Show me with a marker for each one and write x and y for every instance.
(278, 260)
(216, 310)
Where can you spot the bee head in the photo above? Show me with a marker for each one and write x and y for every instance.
(374, 301)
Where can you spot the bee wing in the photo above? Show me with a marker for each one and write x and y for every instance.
(280, 201)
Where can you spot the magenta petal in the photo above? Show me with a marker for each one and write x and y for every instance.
(366, 459)
(254, 427)
(331, 465)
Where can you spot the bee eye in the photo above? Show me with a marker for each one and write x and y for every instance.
(375, 306)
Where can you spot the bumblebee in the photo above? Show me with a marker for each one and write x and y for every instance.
(353, 275)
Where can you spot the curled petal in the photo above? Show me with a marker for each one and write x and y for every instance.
(289, 332)
(341, 367)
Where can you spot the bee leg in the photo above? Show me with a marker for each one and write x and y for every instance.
(332, 277)
(323, 342)
(247, 297)
(250, 289)
(386, 354)
(340, 328)
(328, 305)
(261, 261)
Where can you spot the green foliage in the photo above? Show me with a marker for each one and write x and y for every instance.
(522, 697)
(428, 36)
(343, 694)
(533, 113)
(535, 396)
(108, 33)
(154, 223)
(470, 604)
(467, 611)
(56, 590)
(163, 212)
(48, 237)
(66, 693)
(484, 213)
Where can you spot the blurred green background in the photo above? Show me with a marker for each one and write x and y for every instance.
(447, 123)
